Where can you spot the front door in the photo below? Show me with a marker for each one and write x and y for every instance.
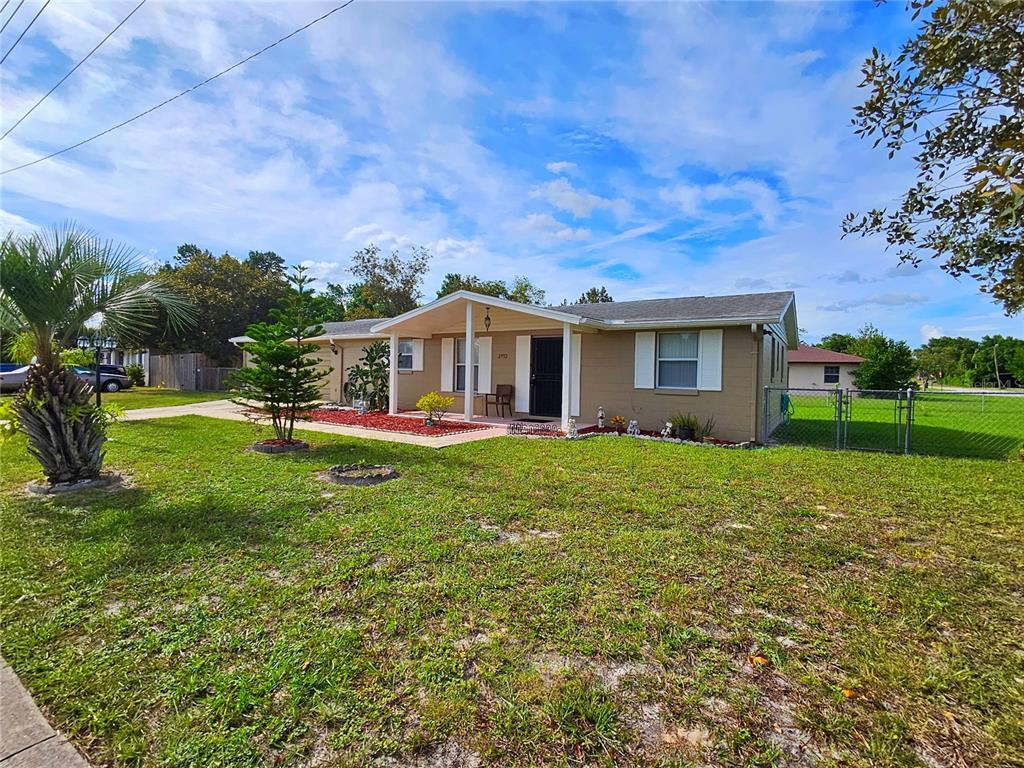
(546, 376)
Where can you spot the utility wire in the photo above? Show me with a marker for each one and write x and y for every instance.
(4, 6)
(16, 9)
(26, 29)
(69, 74)
(187, 91)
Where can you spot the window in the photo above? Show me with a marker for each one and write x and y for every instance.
(405, 355)
(460, 365)
(831, 374)
(677, 360)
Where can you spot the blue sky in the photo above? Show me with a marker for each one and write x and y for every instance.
(658, 149)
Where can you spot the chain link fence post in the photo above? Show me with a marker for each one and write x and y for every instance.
(910, 421)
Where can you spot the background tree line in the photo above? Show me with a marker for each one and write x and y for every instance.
(229, 294)
(955, 361)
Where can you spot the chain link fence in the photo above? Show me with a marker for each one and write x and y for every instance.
(966, 424)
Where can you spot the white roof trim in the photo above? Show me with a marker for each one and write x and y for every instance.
(479, 298)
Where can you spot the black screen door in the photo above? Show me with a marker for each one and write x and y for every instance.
(546, 376)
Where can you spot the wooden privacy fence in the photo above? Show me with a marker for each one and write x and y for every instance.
(190, 370)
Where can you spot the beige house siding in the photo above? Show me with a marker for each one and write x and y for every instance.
(606, 378)
(812, 376)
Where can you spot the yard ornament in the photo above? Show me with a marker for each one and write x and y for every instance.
(360, 406)
(572, 433)
(667, 431)
(600, 416)
(633, 428)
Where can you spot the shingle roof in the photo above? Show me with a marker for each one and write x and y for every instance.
(808, 354)
(687, 308)
(352, 327)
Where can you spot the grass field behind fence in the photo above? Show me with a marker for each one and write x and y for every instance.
(944, 424)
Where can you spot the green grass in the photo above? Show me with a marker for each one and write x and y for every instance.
(154, 397)
(532, 602)
(944, 424)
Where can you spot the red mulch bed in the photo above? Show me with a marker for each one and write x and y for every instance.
(410, 425)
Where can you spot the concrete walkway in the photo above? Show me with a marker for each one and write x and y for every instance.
(26, 739)
(225, 409)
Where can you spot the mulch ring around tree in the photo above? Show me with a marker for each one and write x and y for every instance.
(107, 481)
(277, 445)
(360, 474)
(387, 423)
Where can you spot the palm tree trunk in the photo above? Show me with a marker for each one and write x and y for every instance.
(55, 412)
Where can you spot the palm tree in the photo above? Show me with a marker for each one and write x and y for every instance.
(52, 284)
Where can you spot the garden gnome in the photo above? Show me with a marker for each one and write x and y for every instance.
(667, 431)
(633, 428)
(361, 407)
(572, 433)
(600, 416)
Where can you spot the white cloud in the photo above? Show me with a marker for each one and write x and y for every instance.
(564, 196)
(929, 332)
(562, 166)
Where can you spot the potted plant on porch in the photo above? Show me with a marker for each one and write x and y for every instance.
(282, 381)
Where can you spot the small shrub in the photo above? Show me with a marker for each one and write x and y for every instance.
(136, 373)
(435, 405)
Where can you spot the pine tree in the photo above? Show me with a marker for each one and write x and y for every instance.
(282, 380)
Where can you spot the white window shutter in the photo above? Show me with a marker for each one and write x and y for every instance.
(522, 394)
(709, 363)
(643, 360)
(447, 365)
(484, 383)
(574, 397)
(417, 354)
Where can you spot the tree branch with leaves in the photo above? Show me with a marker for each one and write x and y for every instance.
(954, 94)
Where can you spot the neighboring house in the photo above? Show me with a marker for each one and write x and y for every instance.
(710, 356)
(817, 368)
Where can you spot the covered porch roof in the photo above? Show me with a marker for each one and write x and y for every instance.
(448, 315)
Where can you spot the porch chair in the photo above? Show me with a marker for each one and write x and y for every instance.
(501, 399)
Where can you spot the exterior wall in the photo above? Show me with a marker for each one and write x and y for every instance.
(606, 379)
(411, 386)
(350, 352)
(812, 375)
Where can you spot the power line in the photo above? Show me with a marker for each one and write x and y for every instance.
(26, 29)
(16, 9)
(69, 74)
(187, 91)
(4, 6)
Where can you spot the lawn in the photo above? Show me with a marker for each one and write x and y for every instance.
(154, 397)
(520, 602)
(944, 424)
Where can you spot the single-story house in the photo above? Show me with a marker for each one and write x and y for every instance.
(710, 356)
(817, 368)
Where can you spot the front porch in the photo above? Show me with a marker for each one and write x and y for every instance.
(486, 345)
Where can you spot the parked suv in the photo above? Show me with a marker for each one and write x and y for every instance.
(110, 381)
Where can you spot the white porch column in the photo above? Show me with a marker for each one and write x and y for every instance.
(393, 376)
(566, 374)
(467, 409)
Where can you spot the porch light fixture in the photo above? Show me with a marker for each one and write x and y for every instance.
(487, 320)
